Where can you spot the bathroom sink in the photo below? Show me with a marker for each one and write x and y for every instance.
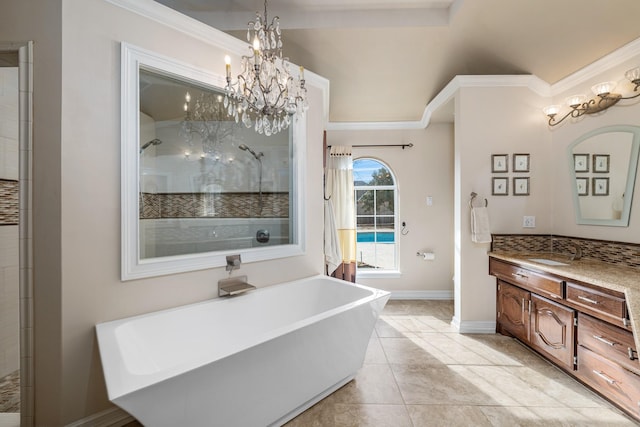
(547, 261)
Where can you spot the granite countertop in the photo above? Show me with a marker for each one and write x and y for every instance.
(610, 276)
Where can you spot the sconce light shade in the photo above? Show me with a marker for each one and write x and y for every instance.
(633, 75)
(575, 101)
(604, 88)
(551, 110)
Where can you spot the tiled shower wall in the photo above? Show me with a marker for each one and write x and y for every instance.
(9, 237)
(620, 253)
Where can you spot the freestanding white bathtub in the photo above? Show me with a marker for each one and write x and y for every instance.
(257, 359)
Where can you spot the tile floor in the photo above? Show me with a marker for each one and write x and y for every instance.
(419, 372)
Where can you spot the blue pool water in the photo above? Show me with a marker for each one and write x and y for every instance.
(379, 237)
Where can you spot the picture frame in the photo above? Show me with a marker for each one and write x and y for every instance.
(521, 186)
(581, 162)
(600, 186)
(521, 163)
(582, 185)
(500, 186)
(600, 163)
(499, 163)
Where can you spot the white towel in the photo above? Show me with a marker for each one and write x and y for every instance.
(480, 230)
(332, 252)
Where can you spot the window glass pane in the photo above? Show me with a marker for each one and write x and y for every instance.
(384, 202)
(371, 172)
(365, 202)
(385, 223)
(365, 222)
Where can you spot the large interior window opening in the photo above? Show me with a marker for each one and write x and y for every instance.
(376, 201)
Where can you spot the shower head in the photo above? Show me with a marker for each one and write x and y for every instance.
(243, 147)
(155, 141)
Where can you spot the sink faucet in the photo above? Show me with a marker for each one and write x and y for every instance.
(577, 254)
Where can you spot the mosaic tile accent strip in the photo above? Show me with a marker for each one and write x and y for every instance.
(218, 205)
(618, 253)
(9, 209)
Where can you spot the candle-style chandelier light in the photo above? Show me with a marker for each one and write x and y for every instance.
(265, 94)
(604, 98)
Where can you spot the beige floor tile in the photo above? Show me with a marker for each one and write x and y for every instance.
(407, 351)
(386, 328)
(319, 415)
(373, 384)
(555, 417)
(447, 416)
(441, 385)
(375, 353)
(371, 415)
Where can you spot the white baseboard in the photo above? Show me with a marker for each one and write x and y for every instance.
(425, 295)
(474, 326)
(112, 417)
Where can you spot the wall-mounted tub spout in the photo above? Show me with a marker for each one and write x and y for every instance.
(234, 286)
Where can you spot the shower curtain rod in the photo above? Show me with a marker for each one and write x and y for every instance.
(381, 145)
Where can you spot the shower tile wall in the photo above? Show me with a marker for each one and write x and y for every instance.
(9, 283)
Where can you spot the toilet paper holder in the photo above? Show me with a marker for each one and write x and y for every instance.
(426, 255)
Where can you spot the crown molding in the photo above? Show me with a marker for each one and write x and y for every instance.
(177, 21)
(598, 67)
(529, 81)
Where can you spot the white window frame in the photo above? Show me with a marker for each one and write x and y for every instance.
(381, 273)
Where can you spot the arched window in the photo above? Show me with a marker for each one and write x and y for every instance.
(376, 201)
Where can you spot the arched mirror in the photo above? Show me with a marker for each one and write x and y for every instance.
(197, 184)
(603, 165)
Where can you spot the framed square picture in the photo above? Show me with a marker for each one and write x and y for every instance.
(600, 186)
(521, 163)
(500, 186)
(499, 163)
(521, 186)
(582, 185)
(581, 162)
(601, 163)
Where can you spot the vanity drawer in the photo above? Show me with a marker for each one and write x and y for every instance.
(609, 379)
(601, 301)
(614, 343)
(528, 279)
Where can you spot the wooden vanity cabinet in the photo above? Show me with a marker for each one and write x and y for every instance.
(542, 324)
(582, 328)
(513, 311)
(553, 331)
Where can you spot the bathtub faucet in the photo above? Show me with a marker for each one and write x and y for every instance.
(234, 286)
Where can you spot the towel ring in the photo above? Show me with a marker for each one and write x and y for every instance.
(473, 196)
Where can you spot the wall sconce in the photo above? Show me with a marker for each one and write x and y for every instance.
(605, 98)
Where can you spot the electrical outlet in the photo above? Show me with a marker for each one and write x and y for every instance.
(529, 222)
(429, 201)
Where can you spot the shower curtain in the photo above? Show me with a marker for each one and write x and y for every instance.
(339, 190)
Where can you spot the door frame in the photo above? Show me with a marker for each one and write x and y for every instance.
(25, 225)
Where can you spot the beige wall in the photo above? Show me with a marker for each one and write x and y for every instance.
(503, 120)
(424, 170)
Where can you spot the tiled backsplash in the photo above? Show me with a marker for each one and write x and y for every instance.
(8, 202)
(217, 205)
(620, 253)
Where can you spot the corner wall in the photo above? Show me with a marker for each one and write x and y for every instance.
(494, 120)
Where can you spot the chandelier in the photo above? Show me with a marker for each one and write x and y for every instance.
(604, 98)
(207, 117)
(265, 95)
